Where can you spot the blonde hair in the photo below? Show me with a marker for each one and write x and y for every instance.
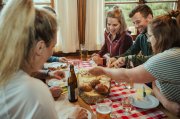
(16, 18)
(21, 26)
(117, 13)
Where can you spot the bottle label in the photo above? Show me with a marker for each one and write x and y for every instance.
(69, 92)
(76, 93)
(72, 93)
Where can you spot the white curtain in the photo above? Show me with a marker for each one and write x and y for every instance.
(94, 35)
(68, 26)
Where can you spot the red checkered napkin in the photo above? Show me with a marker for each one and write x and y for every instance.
(116, 94)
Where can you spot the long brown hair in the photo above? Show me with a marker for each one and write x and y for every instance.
(166, 31)
(117, 13)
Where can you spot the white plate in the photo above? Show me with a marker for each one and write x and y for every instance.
(56, 82)
(54, 65)
(65, 113)
(147, 103)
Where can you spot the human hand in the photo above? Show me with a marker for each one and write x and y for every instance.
(94, 54)
(58, 74)
(63, 59)
(55, 91)
(96, 71)
(173, 107)
(97, 59)
(82, 114)
(119, 62)
(110, 61)
(78, 113)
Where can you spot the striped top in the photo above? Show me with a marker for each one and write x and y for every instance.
(165, 67)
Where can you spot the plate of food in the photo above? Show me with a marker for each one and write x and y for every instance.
(147, 102)
(56, 66)
(56, 82)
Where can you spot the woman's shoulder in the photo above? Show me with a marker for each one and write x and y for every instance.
(169, 55)
(172, 52)
(31, 94)
(27, 84)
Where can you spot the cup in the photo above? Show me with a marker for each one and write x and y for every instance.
(83, 52)
(84, 55)
(103, 108)
(127, 104)
(130, 85)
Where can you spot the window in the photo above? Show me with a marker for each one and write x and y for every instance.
(40, 3)
(158, 7)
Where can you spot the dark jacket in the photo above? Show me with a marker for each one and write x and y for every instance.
(141, 44)
(116, 47)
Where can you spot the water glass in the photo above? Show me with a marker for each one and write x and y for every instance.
(130, 85)
(127, 104)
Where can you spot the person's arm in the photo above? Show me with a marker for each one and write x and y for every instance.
(134, 49)
(44, 74)
(121, 61)
(138, 59)
(104, 47)
(126, 44)
(53, 59)
(136, 75)
(41, 74)
(103, 50)
(173, 107)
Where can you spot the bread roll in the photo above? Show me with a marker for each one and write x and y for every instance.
(93, 83)
(101, 88)
(85, 87)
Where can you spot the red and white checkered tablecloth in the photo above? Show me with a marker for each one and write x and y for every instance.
(85, 64)
(82, 64)
(116, 94)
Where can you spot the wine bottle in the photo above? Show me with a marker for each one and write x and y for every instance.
(72, 86)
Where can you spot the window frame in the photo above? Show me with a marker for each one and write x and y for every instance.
(135, 32)
(51, 3)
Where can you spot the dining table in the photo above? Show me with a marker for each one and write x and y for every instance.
(62, 104)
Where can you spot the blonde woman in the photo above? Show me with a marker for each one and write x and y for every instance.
(27, 38)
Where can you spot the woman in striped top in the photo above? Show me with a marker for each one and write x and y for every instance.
(163, 67)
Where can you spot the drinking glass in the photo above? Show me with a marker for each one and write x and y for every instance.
(83, 52)
(129, 65)
(130, 85)
(127, 104)
(104, 109)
